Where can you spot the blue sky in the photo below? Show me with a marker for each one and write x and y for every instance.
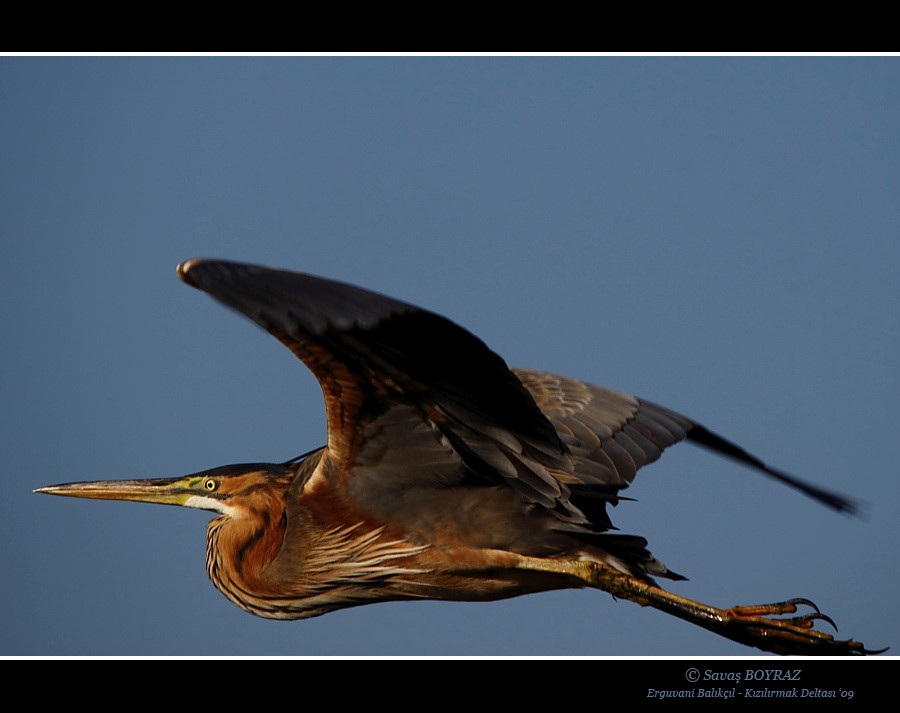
(716, 234)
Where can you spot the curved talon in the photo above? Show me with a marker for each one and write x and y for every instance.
(807, 602)
(807, 620)
(856, 648)
(825, 617)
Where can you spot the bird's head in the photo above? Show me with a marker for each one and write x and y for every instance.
(229, 490)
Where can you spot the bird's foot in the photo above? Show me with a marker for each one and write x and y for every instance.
(756, 625)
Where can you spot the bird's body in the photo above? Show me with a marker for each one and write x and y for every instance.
(413, 538)
(446, 474)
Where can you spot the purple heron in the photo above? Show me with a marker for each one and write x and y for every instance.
(446, 474)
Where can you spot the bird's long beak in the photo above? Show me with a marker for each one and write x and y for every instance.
(166, 491)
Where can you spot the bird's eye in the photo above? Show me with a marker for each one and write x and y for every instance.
(210, 484)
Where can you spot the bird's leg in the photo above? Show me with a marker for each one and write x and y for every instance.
(753, 625)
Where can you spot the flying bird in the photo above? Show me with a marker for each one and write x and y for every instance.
(446, 474)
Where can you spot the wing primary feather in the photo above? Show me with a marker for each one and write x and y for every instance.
(706, 438)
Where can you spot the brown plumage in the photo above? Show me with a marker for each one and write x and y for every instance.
(446, 474)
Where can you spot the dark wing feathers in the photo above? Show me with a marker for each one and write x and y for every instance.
(437, 394)
(362, 345)
(610, 435)
(395, 354)
(706, 438)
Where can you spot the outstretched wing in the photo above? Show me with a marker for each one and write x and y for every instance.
(401, 382)
(412, 397)
(610, 435)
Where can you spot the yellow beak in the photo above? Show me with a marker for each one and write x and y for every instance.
(166, 491)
